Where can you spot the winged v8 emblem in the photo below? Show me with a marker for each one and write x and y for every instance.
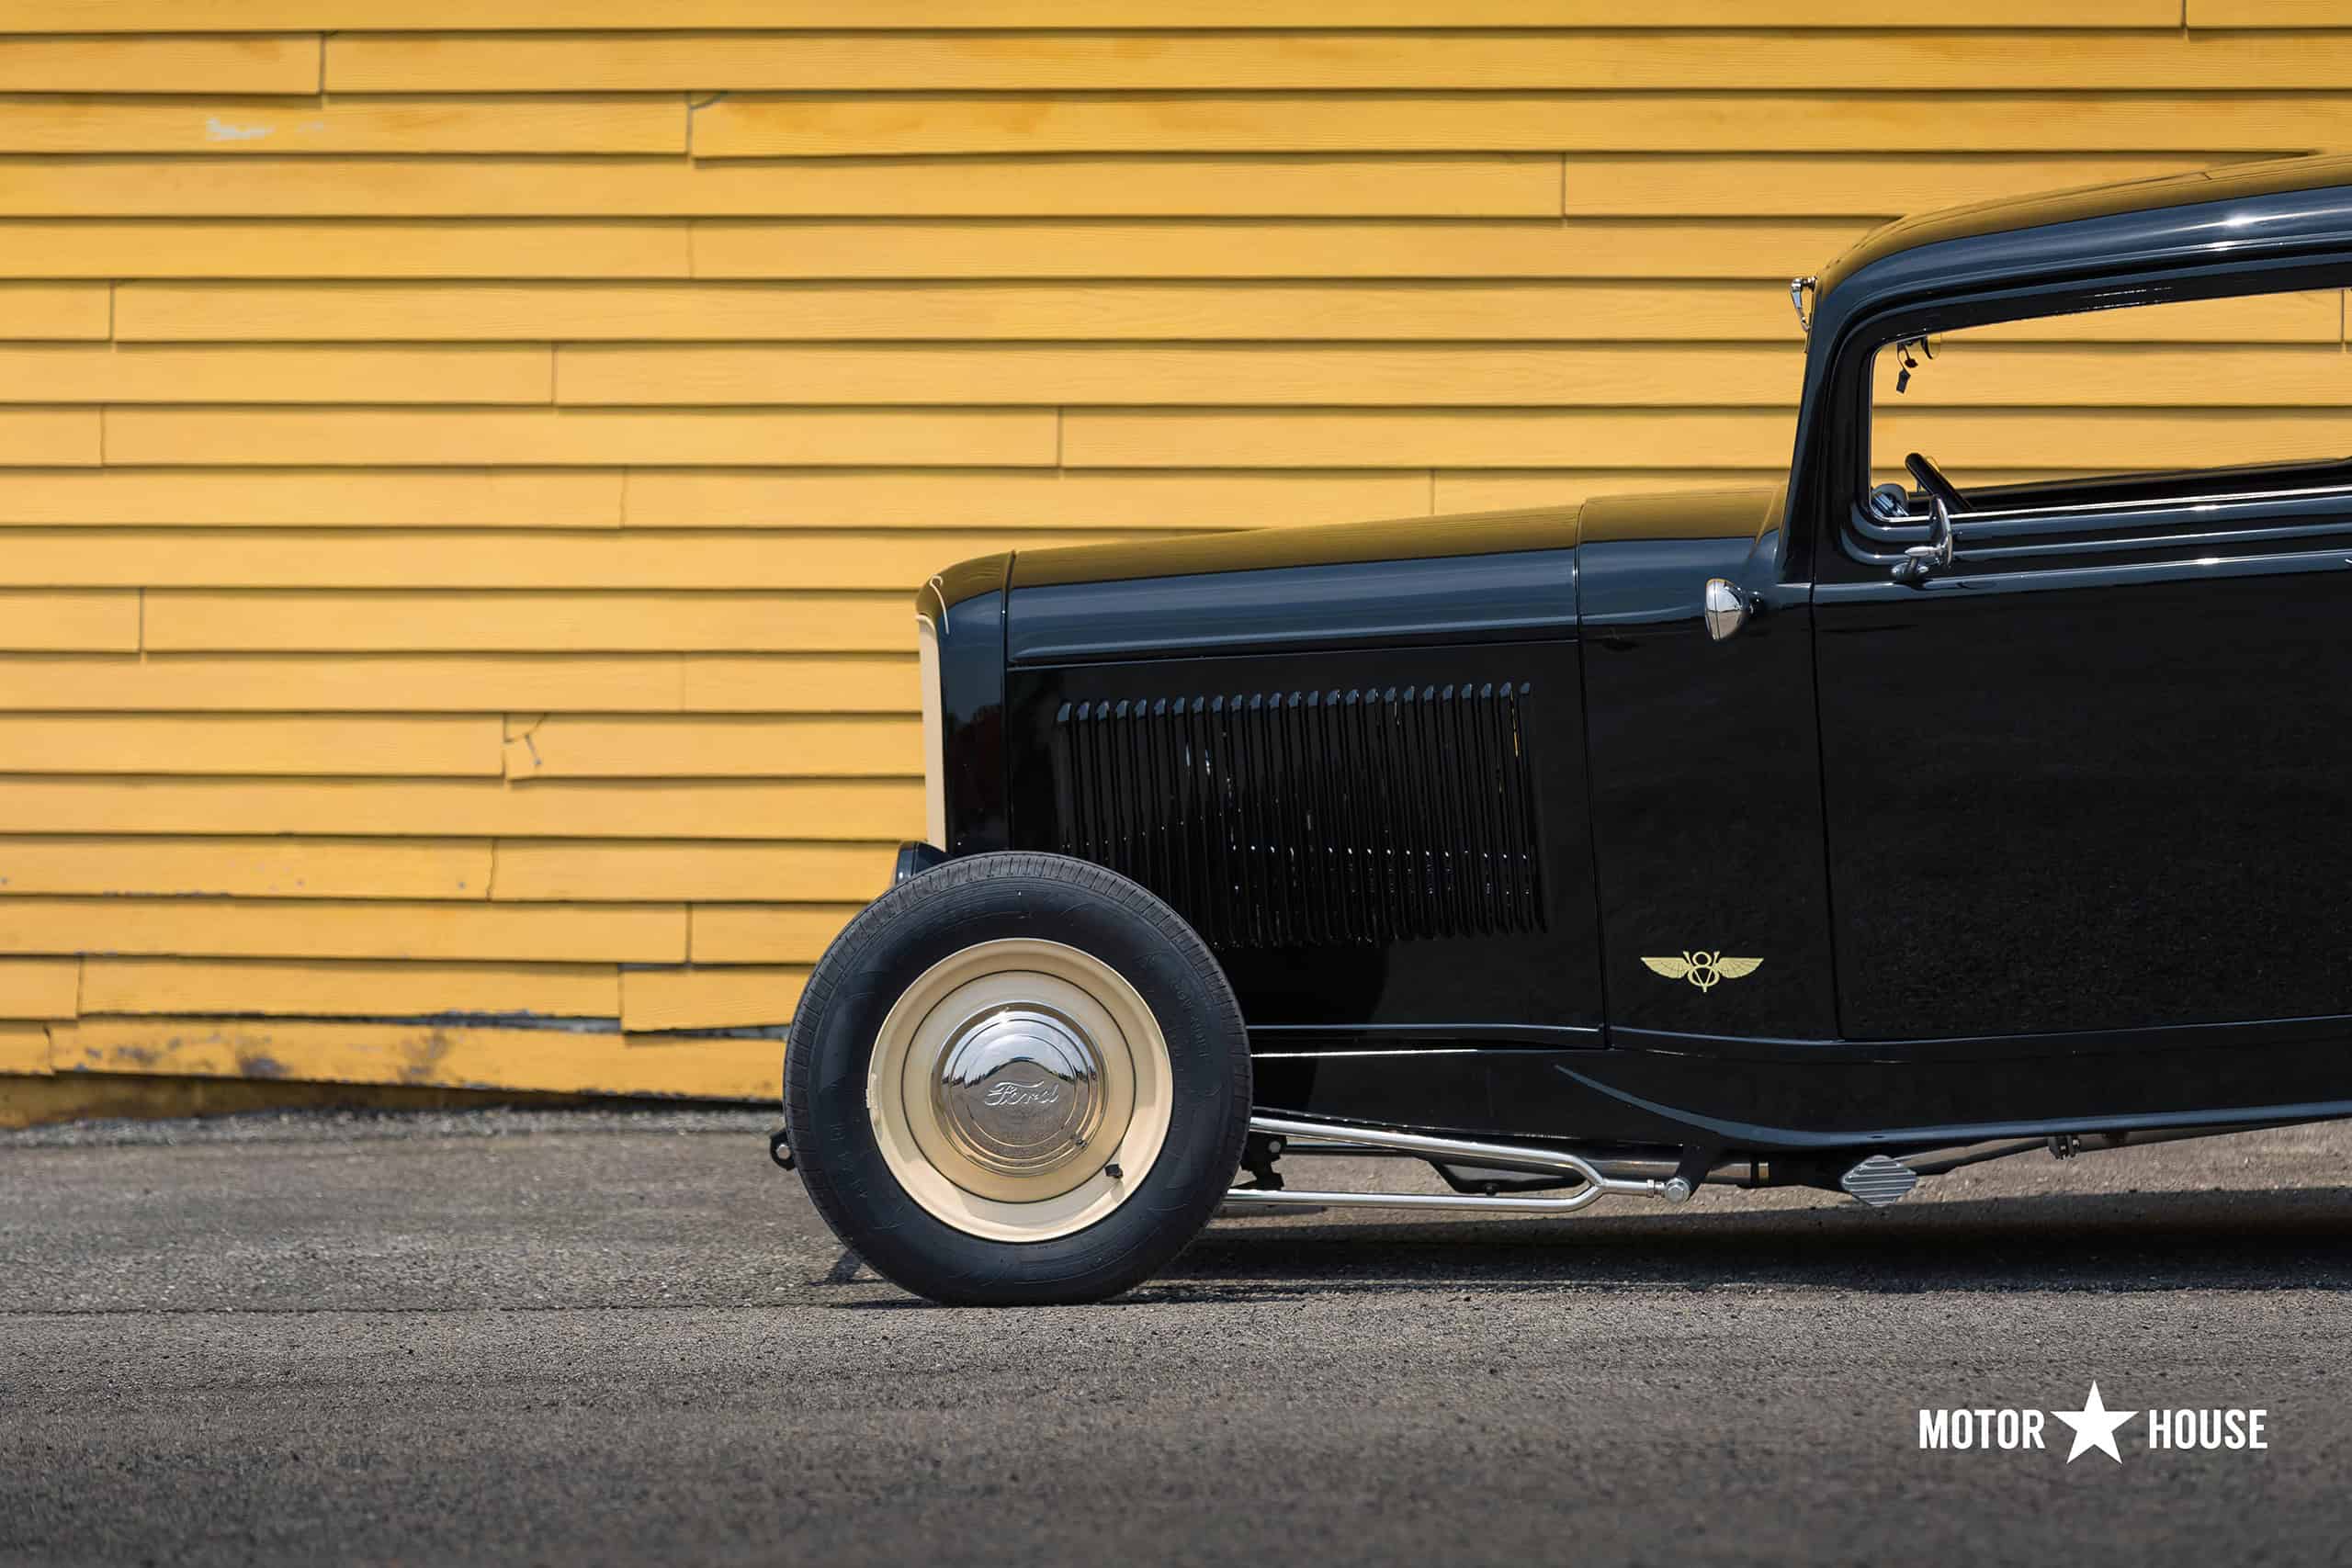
(1704, 970)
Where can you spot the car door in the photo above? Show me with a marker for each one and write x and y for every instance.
(2092, 774)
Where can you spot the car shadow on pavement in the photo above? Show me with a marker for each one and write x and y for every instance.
(2107, 1241)
(2135, 1242)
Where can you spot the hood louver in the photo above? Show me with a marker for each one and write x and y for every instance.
(1307, 819)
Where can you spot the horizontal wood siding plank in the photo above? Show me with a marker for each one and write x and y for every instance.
(451, 498)
(735, 997)
(242, 248)
(165, 62)
(449, 15)
(273, 127)
(24, 1049)
(1988, 374)
(2108, 438)
(1731, 183)
(1395, 375)
(1766, 250)
(329, 989)
(273, 372)
(247, 868)
(2261, 14)
(39, 987)
(55, 310)
(1424, 58)
(585, 438)
(833, 683)
(751, 746)
(447, 1054)
(398, 622)
(50, 437)
(766, 933)
(496, 683)
(384, 558)
(1503, 490)
(299, 928)
(700, 497)
(79, 622)
(1509, 490)
(636, 872)
(1700, 439)
(835, 125)
(1502, 185)
(1696, 439)
(319, 745)
(738, 311)
(872, 810)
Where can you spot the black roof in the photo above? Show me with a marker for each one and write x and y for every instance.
(2230, 182)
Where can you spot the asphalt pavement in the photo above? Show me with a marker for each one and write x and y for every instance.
(574, 1337)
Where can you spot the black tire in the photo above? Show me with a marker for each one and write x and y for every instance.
(896, 939)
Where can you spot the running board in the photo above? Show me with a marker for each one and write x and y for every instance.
(1597, 1185)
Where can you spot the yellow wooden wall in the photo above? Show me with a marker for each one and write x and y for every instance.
(463, 462)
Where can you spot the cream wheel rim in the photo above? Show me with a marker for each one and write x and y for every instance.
(1019, 1089)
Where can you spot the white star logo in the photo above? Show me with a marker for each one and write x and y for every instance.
(2094, 1427)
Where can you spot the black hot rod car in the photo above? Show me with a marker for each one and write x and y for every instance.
(1835, 832)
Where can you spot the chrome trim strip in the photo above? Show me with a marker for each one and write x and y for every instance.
(2123, 574)
(2087, 516)
(2219, 538)
(2114, 527)
(2227, 498)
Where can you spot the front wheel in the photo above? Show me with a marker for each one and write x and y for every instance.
(1017, 1079)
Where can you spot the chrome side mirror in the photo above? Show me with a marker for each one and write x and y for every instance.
(1921, 562)
(1726, 608)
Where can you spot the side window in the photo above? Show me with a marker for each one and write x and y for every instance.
(2189, 398)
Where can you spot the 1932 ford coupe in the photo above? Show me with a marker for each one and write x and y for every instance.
(1833, 833)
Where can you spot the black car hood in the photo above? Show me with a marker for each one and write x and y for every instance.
(1744, 512)
(1471, 578)
(1267, 549)
(1417, 579)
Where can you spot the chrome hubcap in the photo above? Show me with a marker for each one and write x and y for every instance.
(1019, 1089)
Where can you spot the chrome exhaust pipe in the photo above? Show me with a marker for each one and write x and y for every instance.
(1597, 1183)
